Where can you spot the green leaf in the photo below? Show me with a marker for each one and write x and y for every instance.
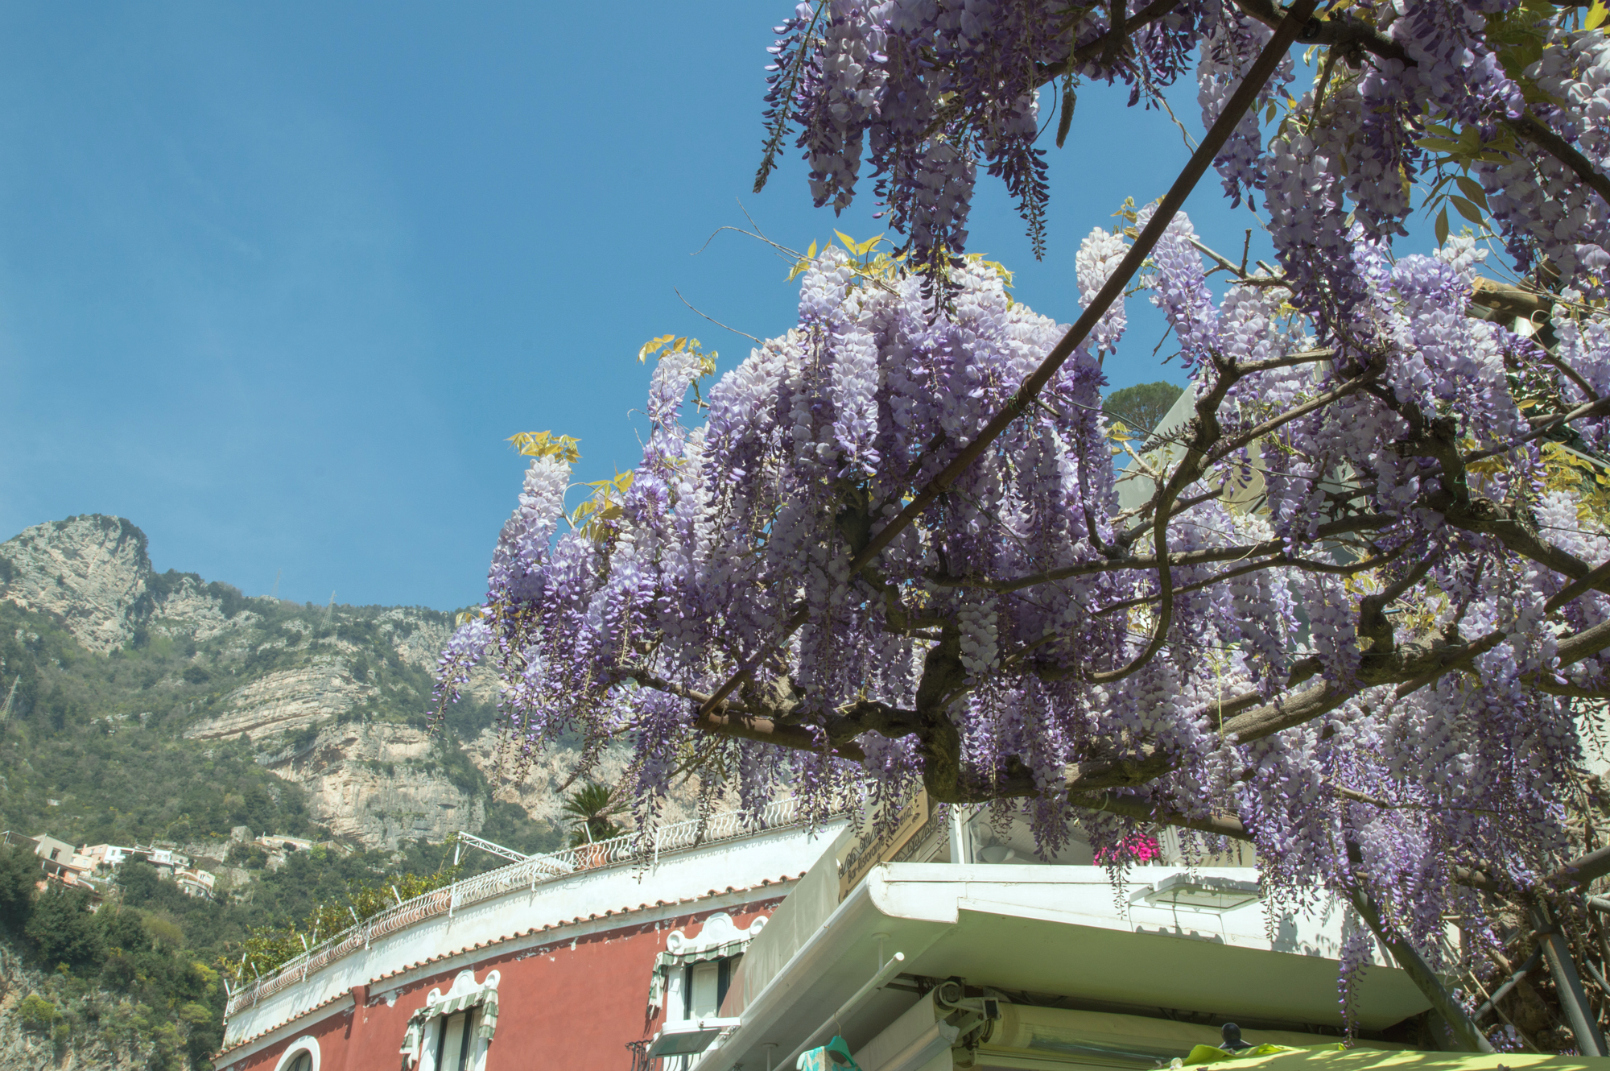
(1472, 189)
(1596, 16)
(1466, 209)
(1442, 225)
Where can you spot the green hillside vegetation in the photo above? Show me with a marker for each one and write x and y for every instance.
(148, 967)
(92, 750)
(102, 735)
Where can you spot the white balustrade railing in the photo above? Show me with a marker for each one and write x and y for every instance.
(642, 848)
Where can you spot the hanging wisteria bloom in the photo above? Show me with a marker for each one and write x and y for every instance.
(1351, 611)
(922, 92)
(1354, 609)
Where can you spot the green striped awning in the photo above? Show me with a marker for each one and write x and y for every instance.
(484, 997)
(666, 960)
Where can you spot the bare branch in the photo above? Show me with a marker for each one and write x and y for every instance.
(1352, 386)
(1129, 807)
(1598, 407)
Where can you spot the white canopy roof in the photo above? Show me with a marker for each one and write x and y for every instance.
(1045, 930)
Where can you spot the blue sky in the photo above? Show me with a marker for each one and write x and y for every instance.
(278, 280)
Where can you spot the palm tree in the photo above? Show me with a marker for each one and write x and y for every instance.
(592, 808)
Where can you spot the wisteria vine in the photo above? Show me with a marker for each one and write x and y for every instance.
(1364, 597)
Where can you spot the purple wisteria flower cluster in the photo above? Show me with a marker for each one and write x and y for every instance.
(925, 91)
(1364, 651)
(1353, 608)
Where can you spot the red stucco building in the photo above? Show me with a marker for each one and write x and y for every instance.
(553, 962)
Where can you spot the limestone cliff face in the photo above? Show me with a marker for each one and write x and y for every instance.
(286, 700)
(332, 698)
(381, 784)
(90, 571)
(93, 572)
(541, 789)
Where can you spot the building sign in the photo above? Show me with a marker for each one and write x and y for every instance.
(876, 842)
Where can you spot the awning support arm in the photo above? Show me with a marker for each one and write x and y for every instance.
(888, 971)
(1567, 983)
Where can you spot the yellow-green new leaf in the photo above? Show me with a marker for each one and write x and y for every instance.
(652, 346)
(546, 444)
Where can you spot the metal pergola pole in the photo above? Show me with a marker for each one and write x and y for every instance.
(1464, 1028)
(1567, 983)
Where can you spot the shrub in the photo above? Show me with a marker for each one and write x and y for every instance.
(62, 927)
(36, 1013)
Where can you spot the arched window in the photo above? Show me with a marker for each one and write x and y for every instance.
(300, 1055)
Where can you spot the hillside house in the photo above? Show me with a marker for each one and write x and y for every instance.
(195, 882)
(105, 856)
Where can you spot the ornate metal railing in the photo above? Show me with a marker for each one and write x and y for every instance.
(643, 848)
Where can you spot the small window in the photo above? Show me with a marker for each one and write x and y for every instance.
(302, 1061)
(704, 986)
(454, 1041)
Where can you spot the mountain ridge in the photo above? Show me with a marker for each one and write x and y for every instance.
(332, 699)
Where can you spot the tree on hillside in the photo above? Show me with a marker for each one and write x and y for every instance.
(19, 873)
(1142, 406)
(1364, 609)
(62, 928)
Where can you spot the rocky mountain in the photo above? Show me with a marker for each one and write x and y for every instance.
(140, 707)
(329, 699)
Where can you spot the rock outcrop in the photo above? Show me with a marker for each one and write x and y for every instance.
(381, 784)
(90, 571)
(93, 573)
(285, 701)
